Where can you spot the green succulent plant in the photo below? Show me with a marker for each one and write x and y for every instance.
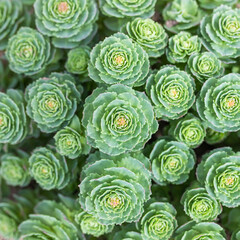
(29, 52)
(120, 12)
(50, 169)
(214, 137)
(52, 101)
(199, 231)
(171, 92)
(13, 119)
(158, 221)
(51, 220)
(14, 169)
(171, 162)
(150, 35)
(221, 32)
(71, 140)
(218, 103)
(189, 129)
(204, 66)
(118, 119)
(182, 15)
(181, 46)
(118, 59)
(13, 212)
(114, 189)
(127, 232)
(219, 171)
(11, 18)
(89, 225)
(200, 206)
(212, 4)
(69, 22)
(77, 61)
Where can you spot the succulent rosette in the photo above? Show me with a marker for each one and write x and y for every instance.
(118, 119)
(127, 232)
(212, 4)
(119, 12)
(69, 22)
(89, 225)
(52, 101)
(218, 103)
(13, 119)
(181, 46)
(171, 162)
(50, 169)
(148, 34)
(77, 61)
(219, 171)
(221, 32)
(199, 231)
(200, 206)
(171, 92)
(189, 129)
(204, 66)
(214, 137)
(158, 221)
(114, 189)
(182, 15)
(12, 213)
(11, 18)
(29, 52)
(118, 59)
(71, 140)
(14, 169)
(50, 220)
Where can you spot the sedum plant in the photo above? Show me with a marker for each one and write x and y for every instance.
(29, 52)
(11, 18)
(51, 220)
(219, 171)
(71, 140)
(180, 15)
(14, 168)
(197, 231)
(158, 221)
(13, 119)
(119, 12)
(214, 137)
(118, 119)
(114, 189)
(218, 103)
(118, 59)
(181, 46)
(89, 225)
(171, 92)
(77, 61)
(204, 66)
(212, 4)
(13, 212)
(52, 101)
(200, 206)
(148, 34)
(127, 232)
(50, 169)
(189, 130)
(69, 22)
(221, 32)
(171, 162)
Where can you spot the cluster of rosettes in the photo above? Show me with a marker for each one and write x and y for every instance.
(119, 119)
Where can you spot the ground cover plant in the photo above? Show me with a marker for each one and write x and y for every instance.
(119, 119)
